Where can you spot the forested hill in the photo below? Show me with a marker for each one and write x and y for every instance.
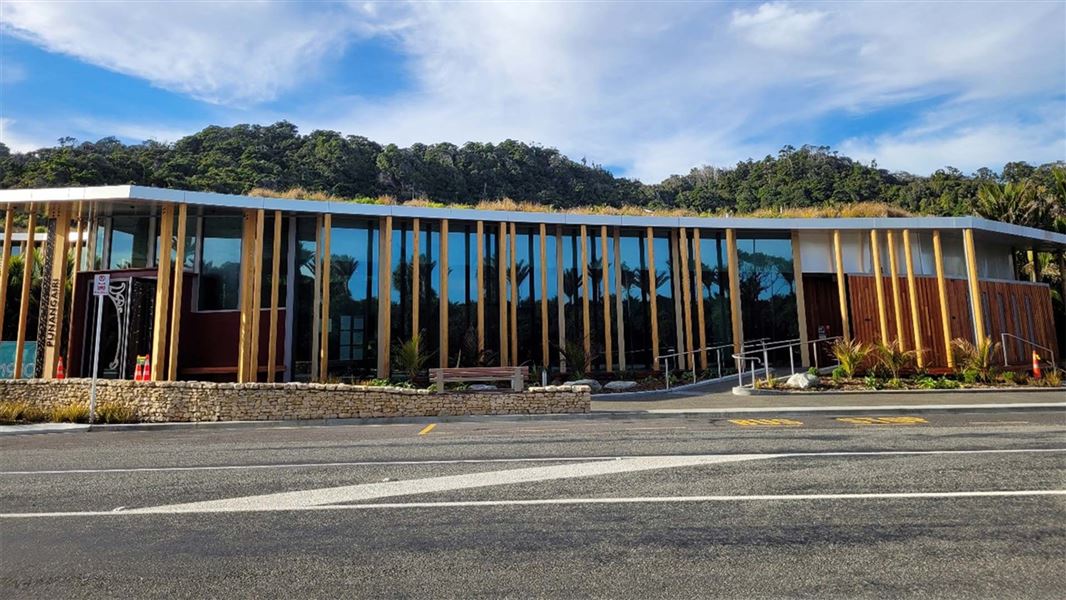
(240, 158)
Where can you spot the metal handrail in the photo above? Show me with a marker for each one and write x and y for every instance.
(718, 360)
(1003, 346)
(765, 351)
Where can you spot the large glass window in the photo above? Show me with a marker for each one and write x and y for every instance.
(635, 292)
(353, 298)
(129, 242)
(220, 271)
(714, 292)
(767, 291)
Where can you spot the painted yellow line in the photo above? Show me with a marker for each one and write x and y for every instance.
(427, 429)
(891, 420)
(766, 422)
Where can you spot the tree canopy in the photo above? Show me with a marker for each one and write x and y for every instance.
(277, 157)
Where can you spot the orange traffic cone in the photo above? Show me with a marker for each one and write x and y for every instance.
(146, 375)
(1036, 365)
(138, 372)
(61, 373)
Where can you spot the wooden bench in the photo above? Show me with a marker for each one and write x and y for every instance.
(516, 375)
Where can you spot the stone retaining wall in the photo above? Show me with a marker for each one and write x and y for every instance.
(204, 401)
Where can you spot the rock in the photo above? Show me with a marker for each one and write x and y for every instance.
(482, 387)
(592, 383)
(802, 381)
(620, 386)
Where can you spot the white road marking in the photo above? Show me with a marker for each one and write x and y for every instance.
(579, 501)
(370, 491)
(459, 461)
(910, 407)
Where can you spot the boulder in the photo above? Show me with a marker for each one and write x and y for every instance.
(592, 383)
(802, 381)
(620, 386)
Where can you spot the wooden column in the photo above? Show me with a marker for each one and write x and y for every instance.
(78, 245)
(801, 301)
(912, 295)
(384, 297)
(416, 279)
(1033, 275)
(275, 288)
(443, 293)
(842, 291)
(545, 354)
(976, 306)
(514, 299)
(686, 294)
(585, 290)
(734, 291)
(897, 303)
(501, 271)
(606, 268)
(175, 313)
(327, 276)
(162, 292)
(5, 263)
(481, 287)
(879, 285)
(560, 303)
(257, 297)
(618, 312)
(697, 261)
(675, 289)
(653, 293)
(316, 306)
(53, 298)
(24, 300)
(246, 274)
(942, 292)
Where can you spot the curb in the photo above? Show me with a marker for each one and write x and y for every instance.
(886, 409)
(746, 391)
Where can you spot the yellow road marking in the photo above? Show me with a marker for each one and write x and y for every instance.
(766, 422)
(427, 429)
(891, 420)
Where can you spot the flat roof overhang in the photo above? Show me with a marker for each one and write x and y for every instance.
(134, 195)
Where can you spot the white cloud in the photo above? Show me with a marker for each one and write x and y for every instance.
(659, 88)
(18, 142)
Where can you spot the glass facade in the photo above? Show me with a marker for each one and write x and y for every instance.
(767, 291)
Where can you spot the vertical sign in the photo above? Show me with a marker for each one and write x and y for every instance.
(101, 283)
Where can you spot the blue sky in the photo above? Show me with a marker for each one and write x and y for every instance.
(648, 89)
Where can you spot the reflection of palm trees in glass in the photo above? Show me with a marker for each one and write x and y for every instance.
(571, 282)
(342, 270)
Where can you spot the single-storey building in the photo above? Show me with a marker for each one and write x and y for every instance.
(226, 287)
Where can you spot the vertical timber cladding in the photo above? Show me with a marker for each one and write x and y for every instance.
(879, 284)
(842, 293)
(384, 296)
(256, 302)
(179, 275)
(801, 301)
(653, 292)
(942, 297)
(686, 296)
(734, 291)
(24, 297)
(893, 272)
(606, 297)
(912, 297)
(275, 283)
(53, 291)
(560, 306)
(863, 301)
(246, 268)
(162, 293)
(976, 306)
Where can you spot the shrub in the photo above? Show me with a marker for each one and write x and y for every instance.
(1054, 378)
(578, 361)
(894, 358)
(812, 371)
(850, 354)
(70, 413)
(24, 412)
(970, 376)
(1007, 377)
(111, 412)
(947, 384)
(409, 358)
(926, 383)
(872, 382)
(979, 358)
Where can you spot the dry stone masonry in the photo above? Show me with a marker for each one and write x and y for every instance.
(203, 401)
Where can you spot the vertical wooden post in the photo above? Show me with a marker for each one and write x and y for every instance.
(162, 292)
(384, 297)
(416, 279)
(734, 290)
(275, 288)
(585, 287)
(246, 267)
(501, 271)
(53, 296)
(842, 292)
(514, 299)
(619, 318)
(697, 262)
(605, 267)
(942, 292)
(175, 315)
(976, 306)
(257, 297)
(444, 293)
(24, 301)
(879, 285)
(686, 291)
(481, 287)
(801, 301)
(675, 289)
(912, 294)
(5, 263)
(545, 354)
(560, 303)
(897, 302)
(90, 259)
(327, 276)
(653, 293)
(1033, 275)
